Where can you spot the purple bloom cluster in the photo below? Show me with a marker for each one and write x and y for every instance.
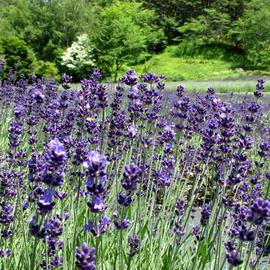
(85, 257)
(95, 170)
(133, 171)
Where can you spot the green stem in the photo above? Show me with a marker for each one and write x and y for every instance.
(251, 248)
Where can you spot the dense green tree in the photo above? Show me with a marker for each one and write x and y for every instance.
(212, 27)
(183, 10)
(17, 55)
(252, 31)
(212, 31)
(123, 35)
(178, 12)
(126, 32)
(49, 25)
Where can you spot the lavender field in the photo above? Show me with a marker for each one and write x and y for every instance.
(132, 177)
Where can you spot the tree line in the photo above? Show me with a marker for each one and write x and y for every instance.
(56, 36)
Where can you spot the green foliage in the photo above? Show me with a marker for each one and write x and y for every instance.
(18, 56)
(170, 27)
(178, 12)
(234, 55)
(128, 33)
(48, 25)
(252, 32)
(207, 29)
(123, 35)
(207, 36)
(184, 10)
(46, 70)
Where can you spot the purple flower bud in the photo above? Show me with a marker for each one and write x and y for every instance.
(150, 78)
(124, 224)
(196, 232)
(132, 132)
(233, 258)
(45, 203)
(260, 211)
(180, 207)
(96, 74)
(19, 111)
(5, 253)
(131, 177)
(241, 231)
(56, 152)
(101, 227)
(38, 96)
(167, 135)
(97, 205)
(130, 78)
(95, 164)
(206, 211)
(180, 90)
(66, 80)
(134, 242)
(85, 257)
(124, 199)
(211, 91)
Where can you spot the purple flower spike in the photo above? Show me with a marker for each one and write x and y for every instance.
(167, 135)
(95, 164)
(122, 225)
(96, 74)
(57, 152)
(259, 88)
(97, 205)
(132, 132)
(101, 227)
(150, 78)
(5, 253)
(19, 111)
(45, 203)
(130, 78)
(233, 258)
(66, 80)
(134, 242)
(131, 177)
(206, 211)
(124, 199)
(85, 257)
(180, 207)
(260, 211)
(180, 90)
(38, 96)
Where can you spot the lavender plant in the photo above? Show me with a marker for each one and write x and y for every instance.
(132, 178)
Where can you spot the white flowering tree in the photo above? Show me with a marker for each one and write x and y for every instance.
(78, 58)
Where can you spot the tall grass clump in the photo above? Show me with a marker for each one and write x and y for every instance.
(91, 179)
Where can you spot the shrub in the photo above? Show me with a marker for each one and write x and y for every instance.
(124, 35)
(18, 56)
(224, 52)
(46, 69)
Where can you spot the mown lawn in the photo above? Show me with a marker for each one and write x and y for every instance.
(188, 68)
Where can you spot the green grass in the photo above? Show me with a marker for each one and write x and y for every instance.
(188, 68)
(246, 85)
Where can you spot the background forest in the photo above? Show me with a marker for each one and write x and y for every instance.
(147, 173)
(222, 38)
